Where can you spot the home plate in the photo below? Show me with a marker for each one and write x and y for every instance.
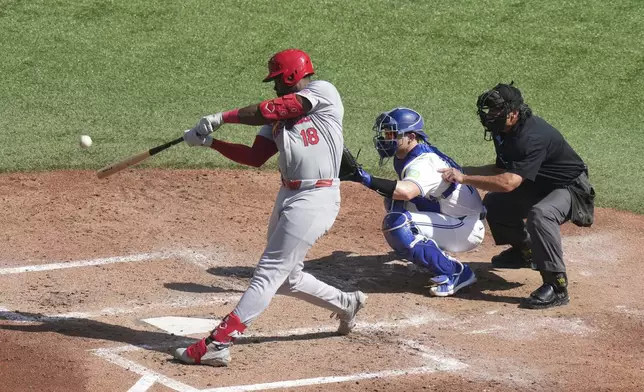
(183, 326)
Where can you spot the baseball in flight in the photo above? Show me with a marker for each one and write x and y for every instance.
(85, 141)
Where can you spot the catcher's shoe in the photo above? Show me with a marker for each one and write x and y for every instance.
(514, 258)
(204, 352)
(357, 300)
(444, 286)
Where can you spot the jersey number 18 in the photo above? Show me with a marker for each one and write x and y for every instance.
(310, 136)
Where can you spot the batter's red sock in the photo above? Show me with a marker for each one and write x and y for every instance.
(224, 335)
(197, 350)
(228, 330)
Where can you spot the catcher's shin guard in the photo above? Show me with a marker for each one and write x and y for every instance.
(403, 236)
(427, 254)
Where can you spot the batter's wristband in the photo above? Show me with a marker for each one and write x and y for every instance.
(231, 116)
(383, 186)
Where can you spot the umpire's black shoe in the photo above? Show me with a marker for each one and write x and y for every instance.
(545, 297)
(514, 257)
(553, 292)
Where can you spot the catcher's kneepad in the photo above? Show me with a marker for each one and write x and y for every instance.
(349, 166)
(394, 205)
(400, 232)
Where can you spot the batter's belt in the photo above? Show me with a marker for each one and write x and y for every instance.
(309, 184)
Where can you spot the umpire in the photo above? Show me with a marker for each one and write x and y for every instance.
(537, 177)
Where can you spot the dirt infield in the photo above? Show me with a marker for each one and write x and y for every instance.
(97, 279)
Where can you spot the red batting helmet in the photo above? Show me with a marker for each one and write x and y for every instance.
(291, 64)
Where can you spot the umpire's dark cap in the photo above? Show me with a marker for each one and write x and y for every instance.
(510, 94)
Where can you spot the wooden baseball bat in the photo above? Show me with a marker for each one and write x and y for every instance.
(134, 159)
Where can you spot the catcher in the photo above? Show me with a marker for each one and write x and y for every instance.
(425, 214)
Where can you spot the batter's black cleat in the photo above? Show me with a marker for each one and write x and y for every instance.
(515, 257)
(553, 292)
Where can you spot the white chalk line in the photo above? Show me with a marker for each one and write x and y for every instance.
(363, 327)
(625, 309)
(116, 359)
(87, 263)
(323, 380)
(492, 329)
(143, 384)
(445, 364)
(527, 328)
(438, 362)
(196, 258)
(177, 304)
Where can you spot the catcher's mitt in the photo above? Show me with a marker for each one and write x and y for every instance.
(349, 166)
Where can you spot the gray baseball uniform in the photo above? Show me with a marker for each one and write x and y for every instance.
(310, 150)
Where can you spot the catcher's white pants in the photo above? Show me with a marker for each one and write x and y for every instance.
(299, 218)
(451, 234)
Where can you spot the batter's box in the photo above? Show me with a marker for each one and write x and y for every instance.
(264, 362)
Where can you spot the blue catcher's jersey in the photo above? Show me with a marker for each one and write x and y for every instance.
(420, 166)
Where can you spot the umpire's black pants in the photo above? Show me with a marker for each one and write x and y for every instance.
(544, 213)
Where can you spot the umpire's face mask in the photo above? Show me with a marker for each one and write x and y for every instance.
(493, 121)
(493, 113)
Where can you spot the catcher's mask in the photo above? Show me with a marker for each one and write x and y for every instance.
(291, 65)
(493, 107)
(391, 126)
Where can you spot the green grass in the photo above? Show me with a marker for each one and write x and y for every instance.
(133, 74)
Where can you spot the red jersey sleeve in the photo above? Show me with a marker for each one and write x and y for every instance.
(255, 156)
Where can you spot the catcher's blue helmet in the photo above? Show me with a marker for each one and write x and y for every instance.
(401, 121)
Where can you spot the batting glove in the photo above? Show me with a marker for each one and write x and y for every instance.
(193, 139)
(209, 124)
(364, 177)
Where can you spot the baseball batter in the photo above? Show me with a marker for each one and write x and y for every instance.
(303, 124)
(425, 214)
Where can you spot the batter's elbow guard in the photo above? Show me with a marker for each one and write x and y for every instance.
(282, 108)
